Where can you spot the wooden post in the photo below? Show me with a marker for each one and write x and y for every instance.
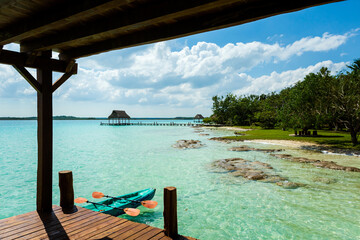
(45, 141)
(66, 189)
(170, 212)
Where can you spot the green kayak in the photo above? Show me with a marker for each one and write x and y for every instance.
(146, 194)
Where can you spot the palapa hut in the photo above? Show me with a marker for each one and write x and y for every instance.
(198, 118)
(119, 117)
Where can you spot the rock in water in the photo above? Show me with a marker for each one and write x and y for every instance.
(290, 185)
(185, 144)
(246, 148)
(317, 163)
(225, 140)
(256, 171)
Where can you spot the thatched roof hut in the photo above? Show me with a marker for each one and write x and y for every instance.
(118, 114)
(119, 117)
(199, 116)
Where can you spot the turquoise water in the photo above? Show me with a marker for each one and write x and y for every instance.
(212, 204)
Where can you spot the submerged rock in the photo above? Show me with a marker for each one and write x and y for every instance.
(203, 134)
(290, 185)
(256, 171)
(246, 148)
(274, 179)
(317, 163)
(184, 144)
(324, 180)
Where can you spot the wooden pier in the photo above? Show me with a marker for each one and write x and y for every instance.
(82, 224)
(153, 124)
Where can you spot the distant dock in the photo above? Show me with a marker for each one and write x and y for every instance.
(189, 124)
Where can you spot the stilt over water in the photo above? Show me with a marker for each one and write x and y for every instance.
(153, 124)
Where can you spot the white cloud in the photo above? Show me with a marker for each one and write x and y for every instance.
(277, 81)
(192, 75)
(186, 78)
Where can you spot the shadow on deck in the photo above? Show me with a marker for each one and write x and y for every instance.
(80, 224)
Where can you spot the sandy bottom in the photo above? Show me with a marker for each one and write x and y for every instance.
(287, 143)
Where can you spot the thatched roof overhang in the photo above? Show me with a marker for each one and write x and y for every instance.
(81, 28)
(118, 114)
(199, 116)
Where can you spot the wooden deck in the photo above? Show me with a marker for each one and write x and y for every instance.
(83, 224)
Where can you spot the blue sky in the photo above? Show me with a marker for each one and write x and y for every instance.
(179, 77)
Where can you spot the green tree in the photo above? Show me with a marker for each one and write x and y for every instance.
(345, 95)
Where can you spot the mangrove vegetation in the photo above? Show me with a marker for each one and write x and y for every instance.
(320, 101)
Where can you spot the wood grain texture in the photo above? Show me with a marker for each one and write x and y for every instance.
(83, 224)
(83, 28)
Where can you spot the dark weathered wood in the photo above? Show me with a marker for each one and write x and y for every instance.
(61, 80)
(45, 140)
(66, 189)
(56, 16)
(83, 224)
(134, 18)
(217, 18)
(32, 61)
(170, 212)
(63, 25)
(28, 77)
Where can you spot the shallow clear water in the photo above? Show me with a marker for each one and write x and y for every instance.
(212, 204)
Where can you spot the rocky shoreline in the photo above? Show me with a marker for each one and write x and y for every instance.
(317, 163)
(247, 148)
(224, 140)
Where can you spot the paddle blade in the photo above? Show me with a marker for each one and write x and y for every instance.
(80, 200)
(132, 211)
(97, 195)
(149, 203)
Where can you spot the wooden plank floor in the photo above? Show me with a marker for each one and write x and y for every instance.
(83, 224)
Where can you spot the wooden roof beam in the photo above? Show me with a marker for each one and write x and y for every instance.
(58, 16)
(199, 23)
(145, 15)
(33, 61)
(29, 78)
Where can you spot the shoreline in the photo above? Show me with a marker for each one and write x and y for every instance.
(286, 143)
(310, 146)
(296, 144)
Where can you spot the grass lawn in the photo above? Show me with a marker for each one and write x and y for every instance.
(330, 138)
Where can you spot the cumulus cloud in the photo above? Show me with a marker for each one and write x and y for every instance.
(158, 63)
(277, 81)
(188, 77)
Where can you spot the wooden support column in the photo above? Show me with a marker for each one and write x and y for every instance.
(45, 139)
(170, 212)
(66, 190)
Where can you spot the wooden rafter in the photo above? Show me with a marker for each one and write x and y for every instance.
(222, 17)
(33, 61)
(57, 16)
(82, 28)
(133, 19)
(61, 80)
(28, 77)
